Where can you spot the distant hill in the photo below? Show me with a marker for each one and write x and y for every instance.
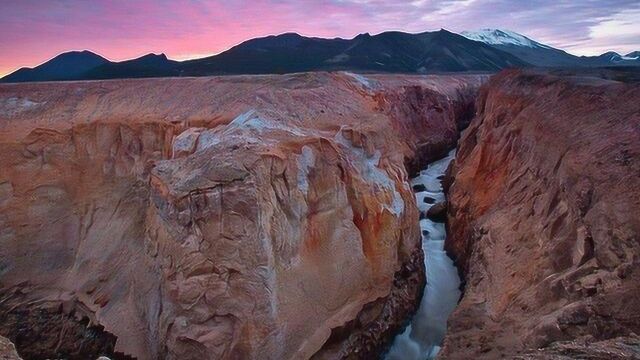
(65, 66)
(150, 65)
(487, 50)
(633, 55)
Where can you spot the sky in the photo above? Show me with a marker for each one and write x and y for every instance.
(33, 31)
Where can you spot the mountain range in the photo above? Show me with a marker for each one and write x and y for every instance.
(487, 50)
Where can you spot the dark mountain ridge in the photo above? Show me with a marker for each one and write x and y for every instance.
(395, 52)
(488, 50)
(66, 66)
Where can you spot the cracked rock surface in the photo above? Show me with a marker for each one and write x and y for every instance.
(544, 220)
(253, 217)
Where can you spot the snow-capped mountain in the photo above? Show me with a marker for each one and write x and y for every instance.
(523, 47)
(539, 54)
(502, 37)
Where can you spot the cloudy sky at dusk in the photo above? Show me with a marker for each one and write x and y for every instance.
(36, 30)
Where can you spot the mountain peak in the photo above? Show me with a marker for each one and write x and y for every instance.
(78, 54)
(65, 66)
(611, 56)
(153, 56)
(363, 36)
(635, 55)
(502, 37)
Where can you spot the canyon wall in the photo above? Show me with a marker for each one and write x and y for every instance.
(544, 220)
(229, 217)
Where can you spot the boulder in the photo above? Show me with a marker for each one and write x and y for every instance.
(438, 212)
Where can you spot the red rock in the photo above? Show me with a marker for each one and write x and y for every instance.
(225, 217)
(544, 216)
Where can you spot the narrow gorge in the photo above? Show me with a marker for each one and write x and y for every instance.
(273, 217)
(423, 337)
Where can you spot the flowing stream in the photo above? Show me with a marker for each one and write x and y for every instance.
(423, 337)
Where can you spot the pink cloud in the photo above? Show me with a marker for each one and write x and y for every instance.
(36, 30)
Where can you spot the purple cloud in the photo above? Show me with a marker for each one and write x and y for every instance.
(35, 30)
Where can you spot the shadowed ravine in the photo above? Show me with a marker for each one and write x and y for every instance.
(424, 335)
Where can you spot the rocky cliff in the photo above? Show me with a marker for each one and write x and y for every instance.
(544, 220)
(233, 217)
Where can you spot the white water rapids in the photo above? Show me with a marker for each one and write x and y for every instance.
(423, 337)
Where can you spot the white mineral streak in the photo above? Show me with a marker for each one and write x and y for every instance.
(370, 172)
(306, 160)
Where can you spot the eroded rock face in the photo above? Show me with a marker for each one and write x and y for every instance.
(240, 217)
(544, 218)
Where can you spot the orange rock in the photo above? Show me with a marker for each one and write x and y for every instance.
(544, 216)
(224, 217)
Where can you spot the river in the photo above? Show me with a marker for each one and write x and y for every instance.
(423, 337)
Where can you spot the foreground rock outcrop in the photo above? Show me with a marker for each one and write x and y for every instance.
(236, 217)
(544, 220)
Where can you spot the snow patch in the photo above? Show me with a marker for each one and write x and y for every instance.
(502, 37)
(370, 172)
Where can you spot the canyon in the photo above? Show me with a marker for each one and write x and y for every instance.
(272, 217)
(221, 217)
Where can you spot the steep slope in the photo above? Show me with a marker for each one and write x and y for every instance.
(502, 37)
(544, 219)
(524, 48)
(447, 51)
(66, 66)
(253, 217)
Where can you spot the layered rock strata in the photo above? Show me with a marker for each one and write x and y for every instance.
(544, 220)
(230, 217)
